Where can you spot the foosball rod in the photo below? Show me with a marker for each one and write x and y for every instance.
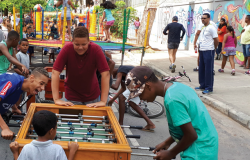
(82, 133)
(143, 148)
(84, 124)
(132, 127)
(85, 116)
(143, 154)
(81, 138)
(88, 129)
(83, 120)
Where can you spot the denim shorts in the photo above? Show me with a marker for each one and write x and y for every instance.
(67, 18)
(246, 50)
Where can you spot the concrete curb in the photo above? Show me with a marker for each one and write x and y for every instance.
(226, 109)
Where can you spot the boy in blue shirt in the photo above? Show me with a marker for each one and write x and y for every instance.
(190, 124)
(12, 86)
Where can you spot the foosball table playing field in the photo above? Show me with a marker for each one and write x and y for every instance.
(96, 130)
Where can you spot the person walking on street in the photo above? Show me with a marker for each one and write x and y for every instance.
(208, 42)
(229, 49)
(222, 30)
(174, 30)
(245, 41)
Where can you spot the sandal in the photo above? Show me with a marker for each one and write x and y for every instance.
(242, 66)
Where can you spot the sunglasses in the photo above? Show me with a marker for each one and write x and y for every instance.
(203, 18)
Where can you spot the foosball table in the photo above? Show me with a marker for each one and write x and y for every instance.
(96, 130)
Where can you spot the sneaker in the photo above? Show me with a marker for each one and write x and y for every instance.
(198, 88)
(173, 68)
(196, 69)
(248, 72)
(170, 67)
(207, 92)
(233, 73)
(221, 70)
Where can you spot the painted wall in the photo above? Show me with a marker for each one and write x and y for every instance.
(190, 16)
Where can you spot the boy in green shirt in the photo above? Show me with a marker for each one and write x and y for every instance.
(7, 56)
(190, 124)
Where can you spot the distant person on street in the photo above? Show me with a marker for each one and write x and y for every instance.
(174, 31)
(196, 47)
(245, 41)
(229, 49)
(208, 42)
(222, 30)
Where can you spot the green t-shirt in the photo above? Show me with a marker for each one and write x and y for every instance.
(183, 106)
(4, 62)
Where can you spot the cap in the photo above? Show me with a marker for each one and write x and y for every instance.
(136, 79)
(175, 18)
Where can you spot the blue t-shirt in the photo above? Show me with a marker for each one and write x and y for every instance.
(108, 15)
(10, 90)
(30, 35)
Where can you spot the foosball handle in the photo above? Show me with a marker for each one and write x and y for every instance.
(151, 148)
(133, 136)
(14, 125)
(136, 127)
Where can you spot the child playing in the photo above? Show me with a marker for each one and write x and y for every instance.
(189, 122)
(229, 49)
(12, 86)
(45, 125)
(67, 4)
(123, 95)
(137, 25)
(22, 55)
(7, 56)
(110, 19)
(51, 50)
(30, 35)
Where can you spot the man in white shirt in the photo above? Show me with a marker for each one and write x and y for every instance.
(208, 42)
(1, 34)
(196, 39)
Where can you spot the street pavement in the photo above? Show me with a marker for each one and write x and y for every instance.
(233, 138)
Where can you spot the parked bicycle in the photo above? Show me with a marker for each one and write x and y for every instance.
(172, 79)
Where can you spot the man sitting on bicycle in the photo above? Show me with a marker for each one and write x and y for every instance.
(12, 86)
(123, 94)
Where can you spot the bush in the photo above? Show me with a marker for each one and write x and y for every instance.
(118, 14)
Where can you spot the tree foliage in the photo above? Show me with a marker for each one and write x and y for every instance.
(26, 4)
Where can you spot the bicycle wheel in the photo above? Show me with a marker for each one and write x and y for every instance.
(151, 109)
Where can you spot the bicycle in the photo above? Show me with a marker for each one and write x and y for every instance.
(173, 79)
(151, 109)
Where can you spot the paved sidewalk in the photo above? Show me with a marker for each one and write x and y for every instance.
(231, 93)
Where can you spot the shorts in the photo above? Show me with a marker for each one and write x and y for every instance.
(136, 100)
(246, 50)
(110, 23)
(84, 103)
(230, 51)
(137, 27)
(173, 45)
(31, 50)
(67, 18)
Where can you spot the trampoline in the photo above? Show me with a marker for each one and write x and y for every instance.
(104, 45)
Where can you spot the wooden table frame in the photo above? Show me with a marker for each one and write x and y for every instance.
(90, 151)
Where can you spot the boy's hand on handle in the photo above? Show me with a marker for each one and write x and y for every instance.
(97, 104)
(17, 111)
(73, 147)
(162, 146)
(25, 70)
(14, 146)
(163, 155)
(7, 134)
(63, 103)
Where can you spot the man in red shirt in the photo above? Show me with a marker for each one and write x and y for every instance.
(82, 59)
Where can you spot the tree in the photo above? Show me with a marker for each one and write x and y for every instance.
(143, 25)
(27, 4)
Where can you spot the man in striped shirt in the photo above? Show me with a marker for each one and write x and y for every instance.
(208, 42)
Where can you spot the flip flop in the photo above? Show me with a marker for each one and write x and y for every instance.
(148, 130)
(242, 66)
